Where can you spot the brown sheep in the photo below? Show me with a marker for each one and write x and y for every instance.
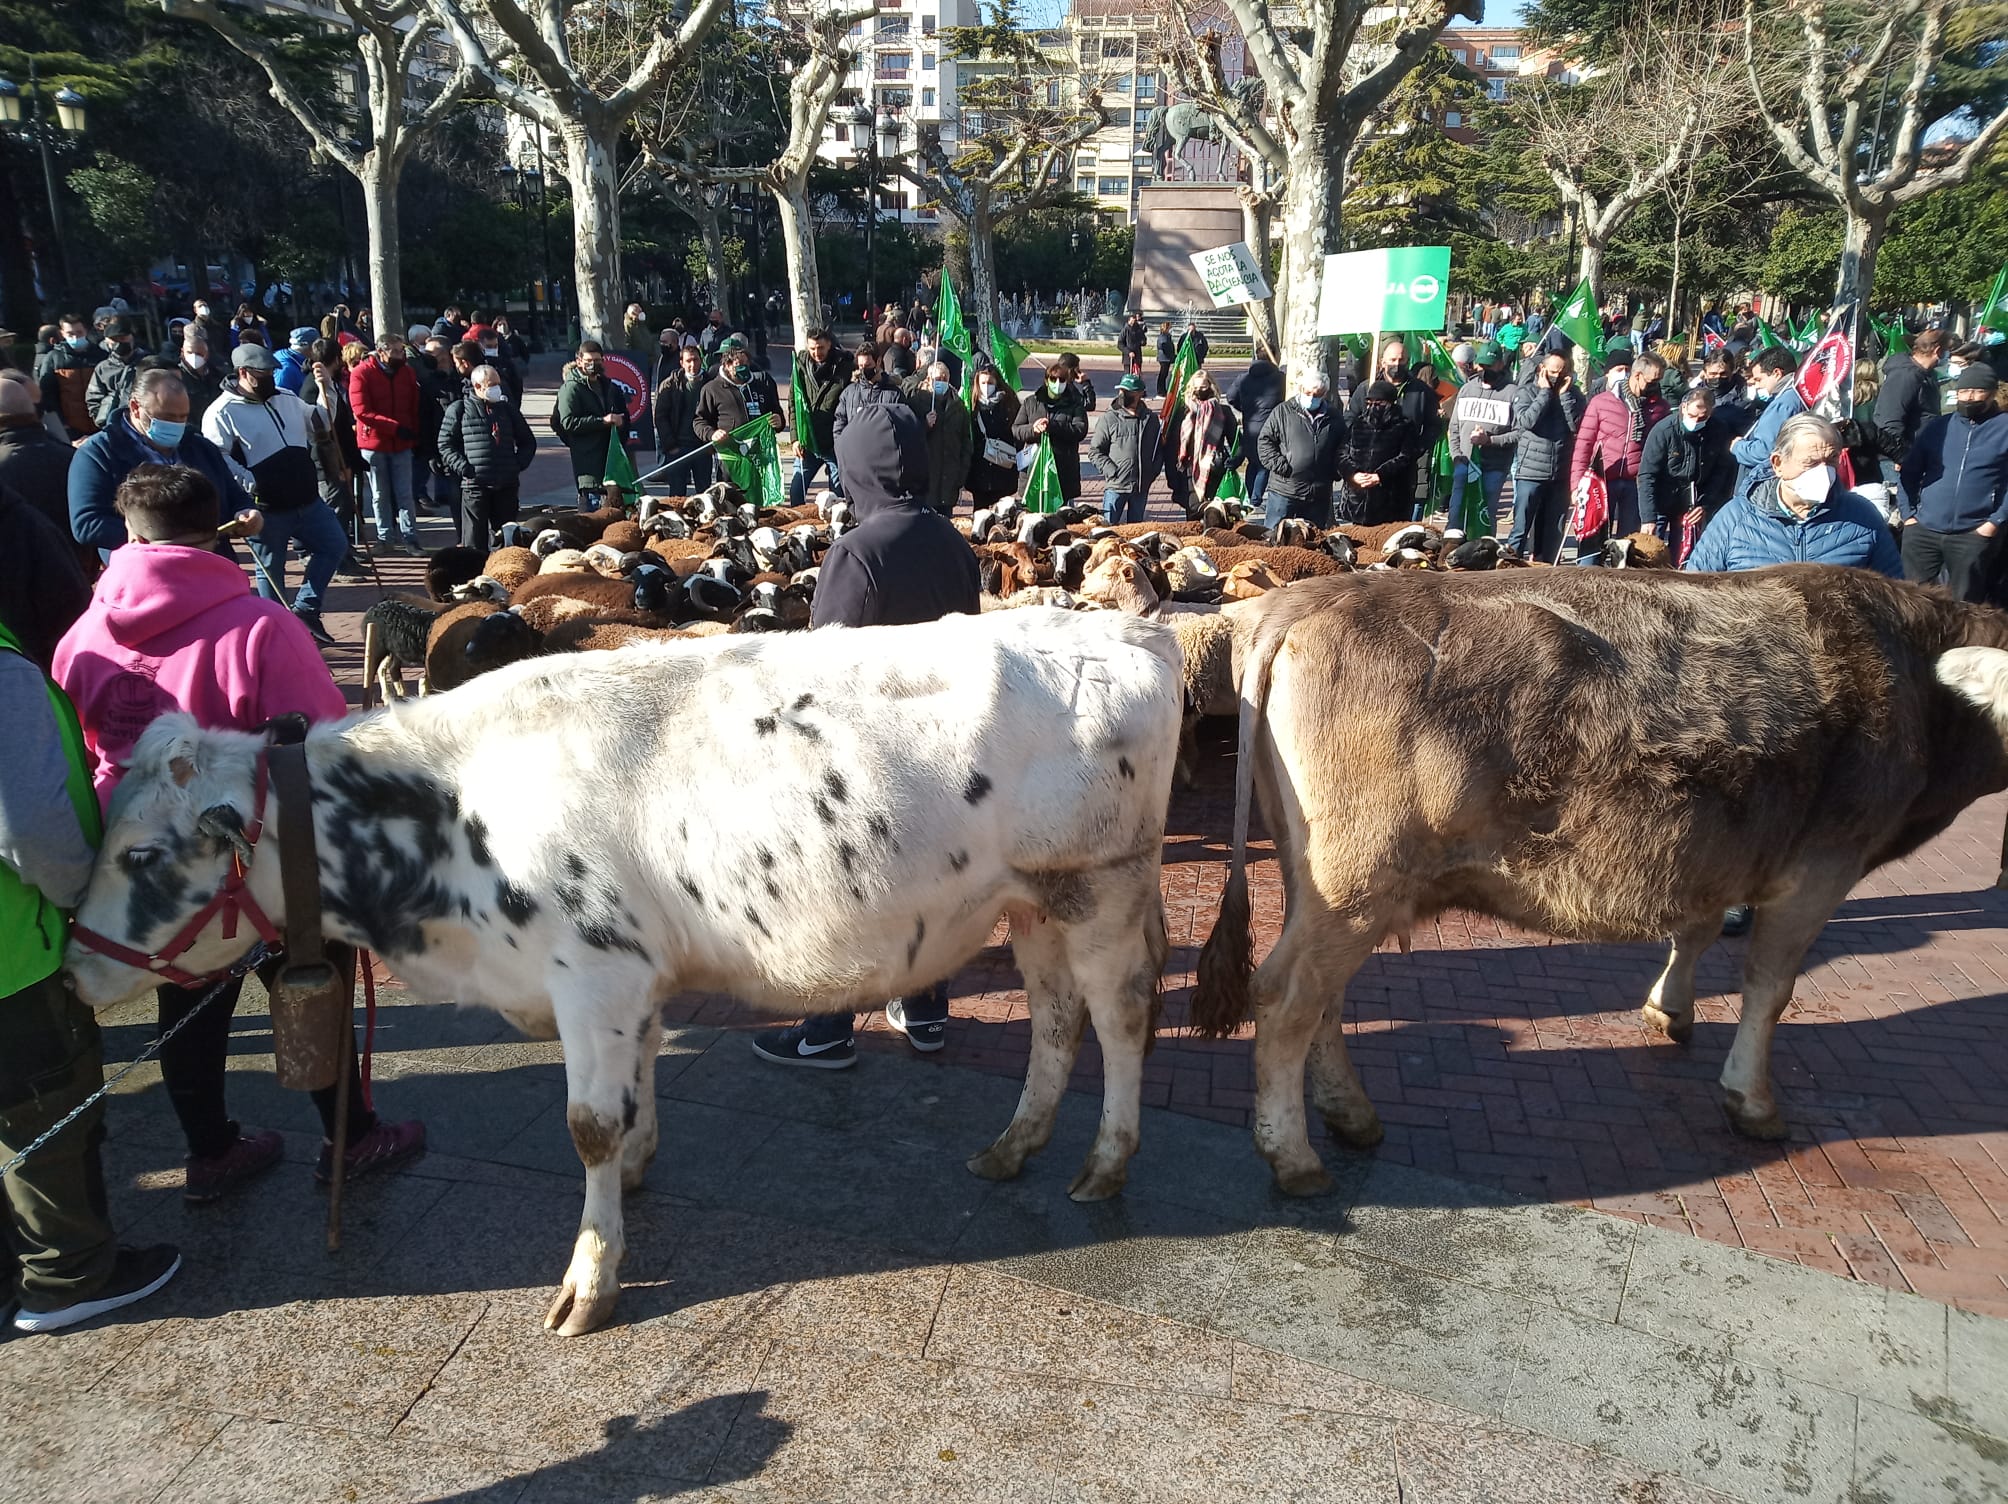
(1285, 564)
(1371, 541)
(611, 594)
(1140, 529)
(623, 537)
(669, 550)
(1247, 580)
(546, 611)
(512, 566)
(446, 665)
(590, 634)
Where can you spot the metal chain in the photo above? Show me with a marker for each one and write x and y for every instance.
(256, 958)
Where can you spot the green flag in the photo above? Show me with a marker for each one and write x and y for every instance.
(1042, 482)
(1439, 356)
(1442, 471)
(751, 462)
(1895, 342)
(1994, 312)
(950, 332)
(798, 398)
(1229, 487)
(1009, 355)
(620, 469)
(1578, 318)
(1181, 372)
(1358, 344)
(1767, 337)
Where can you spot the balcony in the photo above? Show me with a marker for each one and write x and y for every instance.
(889, 71)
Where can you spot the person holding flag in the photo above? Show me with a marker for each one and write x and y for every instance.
(1484, 407)
(1167, 352)
(1952, 490)
(675, 415)
(735, 396)
(1685, 473)
(902, 564)
(1056, 412)
(822, 371)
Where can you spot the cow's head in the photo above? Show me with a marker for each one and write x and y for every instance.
(183, 820)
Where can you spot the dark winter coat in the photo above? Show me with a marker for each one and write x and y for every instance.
(1127, 448)
(65, 375)
(1907, 401)
(1255, 396)
(204, 387)
(1755, 530)
(109, 456)
(42, 586)
(988, 482)
(823, 383)
(1129, 341)
(488, 443)
(1066, 425)
(725, 404)
(36, 468)
(581, 420)
(903, 562)
(858, 395)
(1956, 474)
(948, 442)
(1388, 449)
(1167, 349)
(1415, 399)
(1544, 428)
(111, 384)
(1678, 470)
(1300, 450)
(676, 414)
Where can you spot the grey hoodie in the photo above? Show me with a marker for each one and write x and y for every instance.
(39, 835)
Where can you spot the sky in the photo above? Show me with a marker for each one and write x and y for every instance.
(1048, 12)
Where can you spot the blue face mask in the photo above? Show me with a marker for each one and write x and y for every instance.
(164, 435)
(1693, 425)
(78, 342)
(1313, 402)
(941, 389)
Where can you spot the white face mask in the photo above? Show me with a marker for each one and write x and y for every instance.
(1617, 378)
(1812, 485)
(195, 360)
(489, 393)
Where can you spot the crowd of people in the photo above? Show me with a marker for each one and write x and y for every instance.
(128, 478)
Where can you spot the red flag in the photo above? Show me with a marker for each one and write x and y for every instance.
(1711, 342)
(1827, 376)
(1593, 500)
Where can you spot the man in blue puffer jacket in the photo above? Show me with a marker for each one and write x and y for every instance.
(1952, 489)
(1794, 515)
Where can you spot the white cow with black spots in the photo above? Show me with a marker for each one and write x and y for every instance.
(808, 821)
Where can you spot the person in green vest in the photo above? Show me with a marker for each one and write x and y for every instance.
(68, 1265)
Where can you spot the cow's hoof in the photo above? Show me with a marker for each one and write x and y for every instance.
(1355, 1133)
(1309, 1181)
(994, 1164)
(570, 1316)
(1097, 1185)
(1680, 1029)
(1766, 1125)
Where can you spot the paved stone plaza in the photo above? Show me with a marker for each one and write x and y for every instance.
(1561, 1278)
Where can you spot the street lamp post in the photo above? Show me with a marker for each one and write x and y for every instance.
(70, 115)
(865, 124)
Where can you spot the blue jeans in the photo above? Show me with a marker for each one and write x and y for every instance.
(930, 1007)
(1316, 510)
(806, 470)
(1540, 512)
(1123, 506)
(390, 496)
(1484, 519)
(322, 541)
(1257, 484)
(694, 474)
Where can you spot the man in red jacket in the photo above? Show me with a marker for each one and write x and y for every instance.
(383, 391)
(1612, 438)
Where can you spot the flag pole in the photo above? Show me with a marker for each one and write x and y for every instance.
(672, 464)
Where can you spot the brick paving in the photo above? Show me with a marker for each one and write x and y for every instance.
(1508, 1059)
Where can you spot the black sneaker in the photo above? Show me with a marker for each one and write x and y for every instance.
(925, 1037)
(311, 620)
(1736, 920)
(791, 1046)
(351, 568)
(137, 1273)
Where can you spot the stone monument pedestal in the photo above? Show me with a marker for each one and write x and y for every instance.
(1173, 221)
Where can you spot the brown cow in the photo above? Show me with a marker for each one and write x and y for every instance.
(1598, 754)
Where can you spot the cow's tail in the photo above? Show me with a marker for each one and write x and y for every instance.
(1221, 1000)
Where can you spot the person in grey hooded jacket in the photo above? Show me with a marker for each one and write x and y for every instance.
(1547, 411)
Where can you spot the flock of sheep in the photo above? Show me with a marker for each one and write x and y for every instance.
(568, 581)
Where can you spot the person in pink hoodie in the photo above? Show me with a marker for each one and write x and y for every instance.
(173, 625)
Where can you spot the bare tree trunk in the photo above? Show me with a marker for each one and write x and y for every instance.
(982, 275)
(805, 285)
(1673, 293)
(596, 260)
(1258, 214)
(1310, 229)
(713, 233)
(1590, 266)
(379, 183)
(1859, 243)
